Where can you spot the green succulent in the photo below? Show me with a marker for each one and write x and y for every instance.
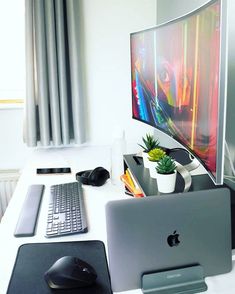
(166, 165)
(149, 143)
(156, 154)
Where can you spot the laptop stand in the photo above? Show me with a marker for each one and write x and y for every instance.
(178, 281)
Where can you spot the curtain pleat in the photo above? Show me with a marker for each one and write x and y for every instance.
(41, 69)
(54, 106)
(62, 70)
(52, 72)
(75, 66)
(30, 104)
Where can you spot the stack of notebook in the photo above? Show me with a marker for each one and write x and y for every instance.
(131, 184)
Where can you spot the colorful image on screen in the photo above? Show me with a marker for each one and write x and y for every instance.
(175, 80)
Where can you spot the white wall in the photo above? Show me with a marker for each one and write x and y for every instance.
(107, 25)
(230, 133)
(13, 151)
(170, 9)
(107, 28)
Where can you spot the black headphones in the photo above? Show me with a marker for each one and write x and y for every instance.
(95, 177)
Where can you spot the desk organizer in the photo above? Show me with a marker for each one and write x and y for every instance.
(149, 185)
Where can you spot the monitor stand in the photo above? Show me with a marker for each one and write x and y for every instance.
(185, 164)
(186, 280)
(184, 157)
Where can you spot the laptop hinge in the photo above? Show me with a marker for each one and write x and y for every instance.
(186, 280)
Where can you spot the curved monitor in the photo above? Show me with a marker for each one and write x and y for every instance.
(179, 82)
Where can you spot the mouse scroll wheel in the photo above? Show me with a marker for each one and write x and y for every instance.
(85, 269)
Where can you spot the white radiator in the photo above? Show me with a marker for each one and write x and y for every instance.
(8, 181)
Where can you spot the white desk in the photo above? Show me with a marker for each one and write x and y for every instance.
(95, 199)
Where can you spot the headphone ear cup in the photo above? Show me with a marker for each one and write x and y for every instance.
(84, 176)
(93, 177)
(98, 176)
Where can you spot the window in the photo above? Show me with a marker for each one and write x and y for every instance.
(12, 52)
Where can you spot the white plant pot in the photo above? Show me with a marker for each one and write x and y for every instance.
(145, 159)
(152, 169)
(166, 182)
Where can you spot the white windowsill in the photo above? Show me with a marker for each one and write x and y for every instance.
(4, 106)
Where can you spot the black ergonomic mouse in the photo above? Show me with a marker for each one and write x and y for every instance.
(70, 272)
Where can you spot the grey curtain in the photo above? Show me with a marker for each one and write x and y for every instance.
(54, 105)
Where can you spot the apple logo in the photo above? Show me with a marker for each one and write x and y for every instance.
(173, 240)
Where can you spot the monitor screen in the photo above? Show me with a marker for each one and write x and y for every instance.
(179, 72)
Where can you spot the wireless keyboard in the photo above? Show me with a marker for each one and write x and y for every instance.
(66, 214)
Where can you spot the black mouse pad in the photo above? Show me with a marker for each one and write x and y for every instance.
(33, 260)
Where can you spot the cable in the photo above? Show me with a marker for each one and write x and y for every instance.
(231, 177)
(229, 158)
(228, 178)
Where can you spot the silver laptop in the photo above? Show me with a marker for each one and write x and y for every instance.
(166, 232)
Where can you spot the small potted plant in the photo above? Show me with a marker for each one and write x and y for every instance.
(166, 174)
(154, 156)
(149, 144)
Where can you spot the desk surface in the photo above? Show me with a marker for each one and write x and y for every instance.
(95, 199)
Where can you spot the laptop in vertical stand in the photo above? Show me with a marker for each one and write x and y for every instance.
(158, 233)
